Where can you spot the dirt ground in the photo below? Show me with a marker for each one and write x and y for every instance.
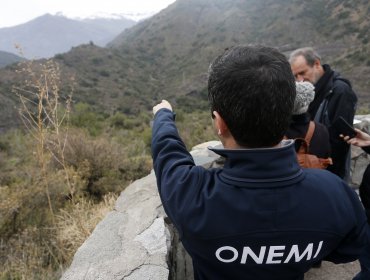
(330, 271)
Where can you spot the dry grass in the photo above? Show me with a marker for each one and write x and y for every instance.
(75, 224)
(43, 114)
(34, 254)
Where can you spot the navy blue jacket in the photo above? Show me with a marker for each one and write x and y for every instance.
(259, 217)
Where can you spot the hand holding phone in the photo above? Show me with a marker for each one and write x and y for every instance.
(344, 128)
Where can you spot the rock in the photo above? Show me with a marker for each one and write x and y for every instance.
(131, 242)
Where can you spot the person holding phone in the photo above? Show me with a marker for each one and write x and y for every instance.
(362, 139)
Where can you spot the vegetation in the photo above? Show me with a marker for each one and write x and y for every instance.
(61, 174)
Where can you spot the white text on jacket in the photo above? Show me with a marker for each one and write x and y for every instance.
(269, 254)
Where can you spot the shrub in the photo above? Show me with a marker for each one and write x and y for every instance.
(104, 73)
(83, 116)
(59, 57)
(97, 61)
(103, 165)
(343, 15)
(118, 120)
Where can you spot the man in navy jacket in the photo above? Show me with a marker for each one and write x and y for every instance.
(261, 216)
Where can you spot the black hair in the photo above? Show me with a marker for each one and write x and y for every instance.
(253, 89)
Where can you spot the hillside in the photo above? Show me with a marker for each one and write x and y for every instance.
(8, 58)
(167, 55)
(48, 35)
(183, 39)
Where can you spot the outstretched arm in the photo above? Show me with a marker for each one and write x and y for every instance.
(177, 176)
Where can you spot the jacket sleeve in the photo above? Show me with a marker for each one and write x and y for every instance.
(343, 103)
(353, 243)
(365, 187)
(174, 167)
(366, 149)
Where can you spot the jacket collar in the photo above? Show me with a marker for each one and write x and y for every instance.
(322, 89)
(269, 167)
(325, 82)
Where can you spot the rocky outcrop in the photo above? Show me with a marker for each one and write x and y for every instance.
(136, 240)
(131, 242)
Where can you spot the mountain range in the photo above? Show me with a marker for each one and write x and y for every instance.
(167, 55)
(47, 35)
(9, 58)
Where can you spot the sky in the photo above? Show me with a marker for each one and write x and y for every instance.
(17, 12)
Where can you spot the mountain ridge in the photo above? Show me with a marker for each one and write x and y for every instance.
(9, 58)
(47, 35)
(167, 56)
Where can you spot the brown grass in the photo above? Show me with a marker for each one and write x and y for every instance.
(77, 222)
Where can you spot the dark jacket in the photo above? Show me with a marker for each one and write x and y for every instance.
(364, 189)
(319, 145)
(261, 216)
(334, 97)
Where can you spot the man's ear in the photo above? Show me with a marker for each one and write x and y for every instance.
(223, 132)
(220, 125)
(317, 63)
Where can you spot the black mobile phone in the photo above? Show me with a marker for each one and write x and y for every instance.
(344, 127)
